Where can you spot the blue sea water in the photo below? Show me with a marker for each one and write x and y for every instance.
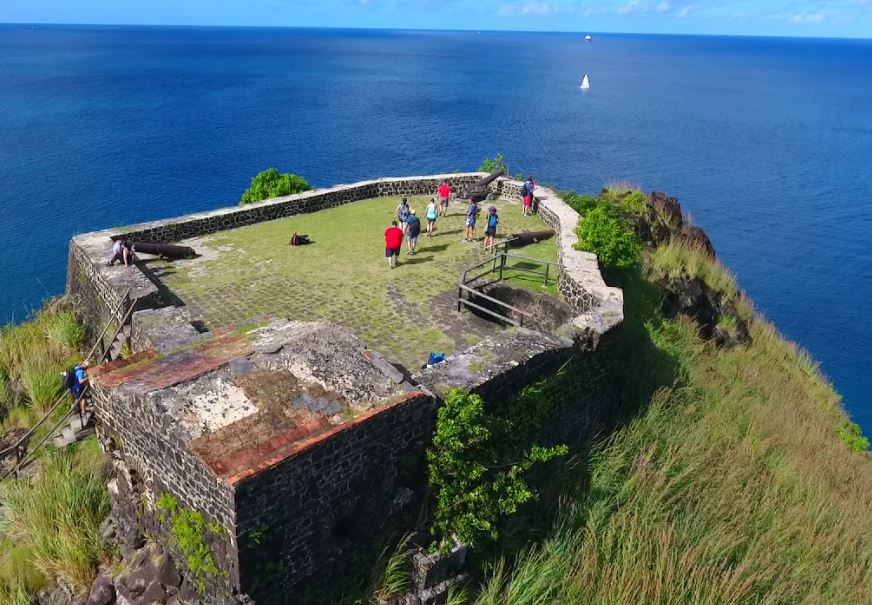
(767, 142)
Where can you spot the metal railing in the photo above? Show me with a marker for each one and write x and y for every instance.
(471, 284)
(24, 455)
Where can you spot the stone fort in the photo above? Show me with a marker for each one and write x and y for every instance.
(291, 438)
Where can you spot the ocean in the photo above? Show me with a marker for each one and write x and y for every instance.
(767, 142)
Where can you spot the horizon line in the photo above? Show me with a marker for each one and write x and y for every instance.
(416, 29)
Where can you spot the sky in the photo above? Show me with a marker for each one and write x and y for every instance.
(819, 18)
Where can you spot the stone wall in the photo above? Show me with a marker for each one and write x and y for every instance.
(152, 457)
(600, 307)
(99, 289)
(304, 519)
(204, 223)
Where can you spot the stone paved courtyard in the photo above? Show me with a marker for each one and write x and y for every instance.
(343, 277)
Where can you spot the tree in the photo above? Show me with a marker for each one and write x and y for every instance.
(269, 184)
(494, 165)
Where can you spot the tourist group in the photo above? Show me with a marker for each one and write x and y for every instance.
(408, 225)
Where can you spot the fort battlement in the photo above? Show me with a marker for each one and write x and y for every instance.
(288, 428)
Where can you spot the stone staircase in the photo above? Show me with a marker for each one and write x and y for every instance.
(75, 430)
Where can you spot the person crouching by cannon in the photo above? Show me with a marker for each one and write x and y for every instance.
(122, 251)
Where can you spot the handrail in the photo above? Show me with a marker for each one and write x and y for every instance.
(15, 447)
(498, 262)
(62, 396)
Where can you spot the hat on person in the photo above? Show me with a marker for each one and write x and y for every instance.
(412, 211)
(492, 210)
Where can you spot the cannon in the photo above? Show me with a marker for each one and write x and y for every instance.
(170, 251)
(525, 238)
(478, 191)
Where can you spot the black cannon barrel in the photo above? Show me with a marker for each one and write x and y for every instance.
(478, 190)
(525, 238)
(165, 250)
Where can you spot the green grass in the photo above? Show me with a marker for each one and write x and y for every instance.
(49, 525)
(731, 485)
(33, 355)
(675, 260)
(343, 276)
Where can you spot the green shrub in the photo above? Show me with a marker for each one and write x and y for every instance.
(55, 517)
(853, 436)
(269, 184)
(613, 241)
(582, 204)
(475, 487)
(494, 165)
(189, 528)
(633, 202)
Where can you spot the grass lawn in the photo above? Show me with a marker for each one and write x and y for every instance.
(343, 276)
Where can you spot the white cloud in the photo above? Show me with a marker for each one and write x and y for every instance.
(631, 7)
(663, 7)
(818, 17)
(529, 9)
(686, 10)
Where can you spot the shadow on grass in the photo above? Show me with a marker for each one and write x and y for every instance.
(439, 248)
(416, 260)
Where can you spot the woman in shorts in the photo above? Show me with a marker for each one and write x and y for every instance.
(432, 213)
(529, 186)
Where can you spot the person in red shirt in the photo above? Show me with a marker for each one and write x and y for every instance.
(393, 244)
(444, 195)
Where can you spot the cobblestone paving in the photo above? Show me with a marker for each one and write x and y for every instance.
(343, 276)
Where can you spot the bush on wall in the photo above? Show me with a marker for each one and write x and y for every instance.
(269, 184)
(613, 240)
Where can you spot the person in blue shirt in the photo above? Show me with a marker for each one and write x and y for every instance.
(413, 229)
(491, 229)
(80, 381)
(403, 212)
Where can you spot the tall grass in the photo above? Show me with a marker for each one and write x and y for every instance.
(731, 486)
(42, 381)
(394, 576)
(32, 356)
(63, 331)
(53, 520)
(674, 260)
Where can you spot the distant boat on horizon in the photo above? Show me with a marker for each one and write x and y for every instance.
(588, 38)
(585, 82)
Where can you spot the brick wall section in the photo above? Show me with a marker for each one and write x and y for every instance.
(311, 512)
(148, 443)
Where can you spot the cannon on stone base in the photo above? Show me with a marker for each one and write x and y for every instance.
(478, 191)
(170, 251)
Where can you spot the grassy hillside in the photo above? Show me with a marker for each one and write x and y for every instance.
(738, 480)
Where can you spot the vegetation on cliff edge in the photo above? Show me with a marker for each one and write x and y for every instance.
(730, 485)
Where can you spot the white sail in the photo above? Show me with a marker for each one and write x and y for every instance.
(585, 82)
(588, 38)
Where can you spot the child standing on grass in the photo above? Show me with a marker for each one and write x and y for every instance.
(491, 230)
(403, 214)
(432, 213)
(471, 215)
(393, 244)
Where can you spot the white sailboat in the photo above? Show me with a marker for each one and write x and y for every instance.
(588, 38)
(585, 82)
